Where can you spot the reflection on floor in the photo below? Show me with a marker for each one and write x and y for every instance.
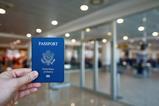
(134, 90)
(140, 91)
(71, 96)
(104, 80)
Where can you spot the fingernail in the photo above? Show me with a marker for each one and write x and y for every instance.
(34, 89)
(35, 73)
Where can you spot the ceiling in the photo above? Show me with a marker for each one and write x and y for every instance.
(131, 24)
(24, 16)
(128, 28)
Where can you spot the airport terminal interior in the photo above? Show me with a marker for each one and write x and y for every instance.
(111, 49)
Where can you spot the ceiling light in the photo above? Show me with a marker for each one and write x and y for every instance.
(125, 38)
(92, 101)
(67, 35)
(14, 43)
(28, 35)
(149, 44)
(109, 33)
(92, 42)
(38, 30)
(141, 28)
(155, 34)
(88, 29)
(2, 11)
(54, 22)
(18, 41)
(132, 41)
(51, 36)
(72, 104)
(104, 40)
(84, 7)
(144, 19)
(73, 40)
(120, 21)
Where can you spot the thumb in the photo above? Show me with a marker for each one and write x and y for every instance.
(27, 78)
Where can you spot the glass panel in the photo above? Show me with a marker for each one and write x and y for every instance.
(138, 44)
(72, 59)
(89, 57)
(103, 34)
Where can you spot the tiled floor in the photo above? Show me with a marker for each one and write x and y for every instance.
(134, 90)
(140, 91)
(71, 96)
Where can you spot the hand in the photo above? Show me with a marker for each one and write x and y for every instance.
(16, 84)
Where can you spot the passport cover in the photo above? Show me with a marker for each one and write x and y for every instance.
(48, 59)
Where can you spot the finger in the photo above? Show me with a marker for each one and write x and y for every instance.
(31, 85)
(7, 74)
(15, 73)
(27, 92)
(21, 71)
(26, 78)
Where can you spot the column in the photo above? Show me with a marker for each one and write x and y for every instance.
(82, 70)
(96, 58)
(114, 64)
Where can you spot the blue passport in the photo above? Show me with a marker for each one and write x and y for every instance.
(48, 59)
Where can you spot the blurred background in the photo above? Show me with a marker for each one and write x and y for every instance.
(111, 49)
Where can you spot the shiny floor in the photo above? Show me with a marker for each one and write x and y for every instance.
(134, 90)
(70, 96)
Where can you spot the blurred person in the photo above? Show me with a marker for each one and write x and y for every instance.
(140, 68)
(157, 62)
(73, 61)
(142, 57)
(152, 62)
(17, 84)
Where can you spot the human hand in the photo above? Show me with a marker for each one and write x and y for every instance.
(16, 84)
